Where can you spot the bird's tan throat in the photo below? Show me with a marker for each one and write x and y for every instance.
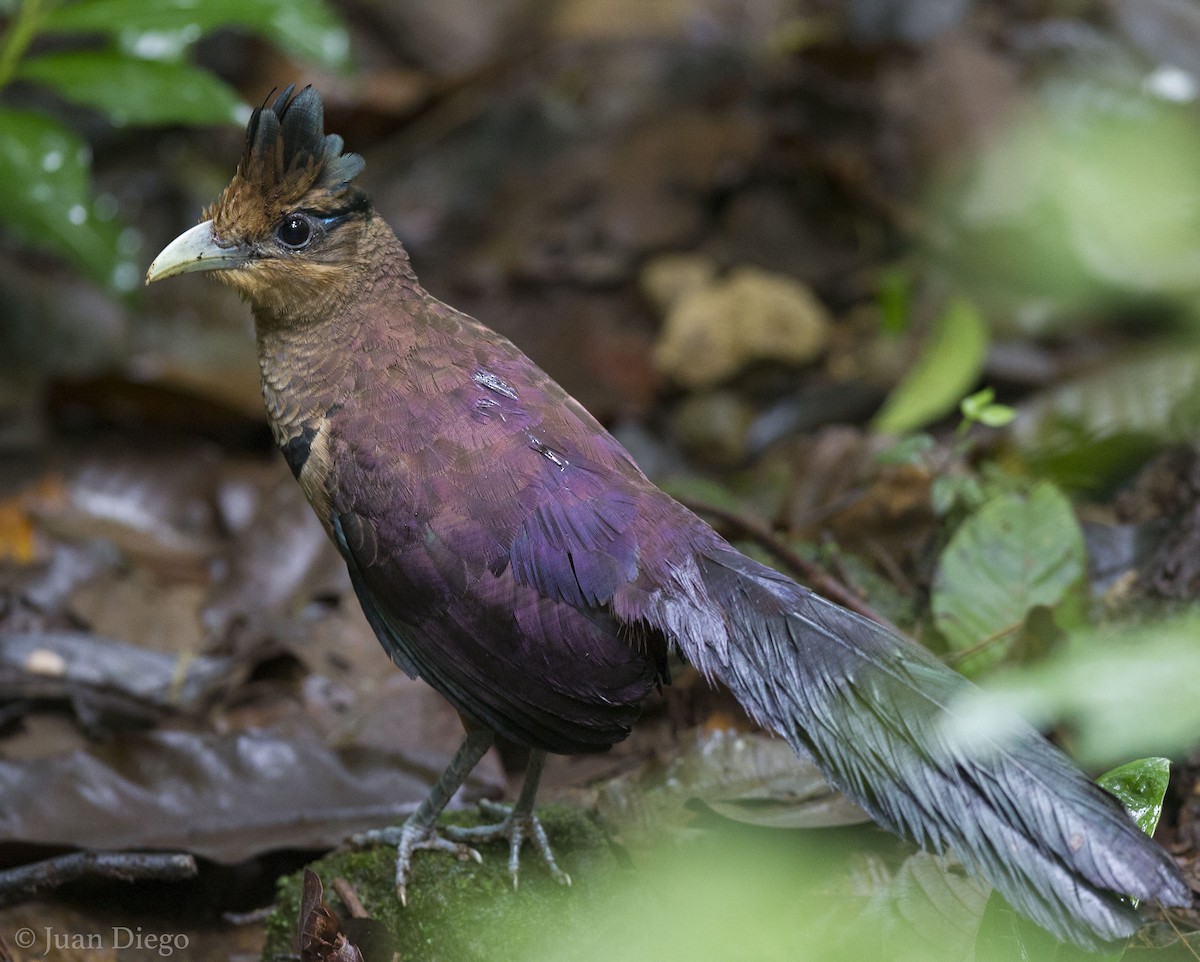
(305, 377)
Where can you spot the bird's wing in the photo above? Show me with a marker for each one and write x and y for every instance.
(486, 527)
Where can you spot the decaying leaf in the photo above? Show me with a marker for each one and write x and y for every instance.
(320, 938)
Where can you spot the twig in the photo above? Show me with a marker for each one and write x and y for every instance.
(349, 898)
(822, 582)
(1182, 938)
(983, 644)
(26, 881)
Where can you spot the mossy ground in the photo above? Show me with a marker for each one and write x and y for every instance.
(462, 911)
(730, 893)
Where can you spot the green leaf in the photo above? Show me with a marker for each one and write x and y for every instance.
(972, 404)
(309, 29)
(996, 416)
(1013, 554)
(45, 198)
(1140, 786)
(979, 407)
(135, 91)
(950, 363)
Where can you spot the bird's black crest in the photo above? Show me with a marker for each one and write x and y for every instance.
(287, 140)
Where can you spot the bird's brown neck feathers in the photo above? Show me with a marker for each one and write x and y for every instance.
(310, 327)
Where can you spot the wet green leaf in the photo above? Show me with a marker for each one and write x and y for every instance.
(949, 364)
(308, 29)
(45, 197)
(1013, 554)
(135, 91)
(1140, 786)
(757, 780)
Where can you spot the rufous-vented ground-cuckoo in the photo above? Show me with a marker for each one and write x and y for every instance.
(506, 549)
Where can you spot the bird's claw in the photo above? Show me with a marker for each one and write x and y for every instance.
(517, 827)
(407, 839)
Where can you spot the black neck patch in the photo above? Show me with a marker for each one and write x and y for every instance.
(297, 449)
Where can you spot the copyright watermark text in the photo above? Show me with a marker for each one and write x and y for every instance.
(49, 940)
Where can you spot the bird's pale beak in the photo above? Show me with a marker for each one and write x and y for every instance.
(195, 250)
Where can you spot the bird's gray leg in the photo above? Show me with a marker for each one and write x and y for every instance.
(419, 830)
(517, 824)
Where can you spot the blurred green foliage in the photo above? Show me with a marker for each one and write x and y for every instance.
(1093, 431)
(129, 60)
(1089, 195)
(981, 408)
(951, 360)
(1120, 690)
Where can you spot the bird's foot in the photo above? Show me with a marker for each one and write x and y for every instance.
(517, 827)
(409, 838)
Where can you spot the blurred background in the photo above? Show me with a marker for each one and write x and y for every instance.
(902, 295)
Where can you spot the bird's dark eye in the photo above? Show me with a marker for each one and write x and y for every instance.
(294, 231)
